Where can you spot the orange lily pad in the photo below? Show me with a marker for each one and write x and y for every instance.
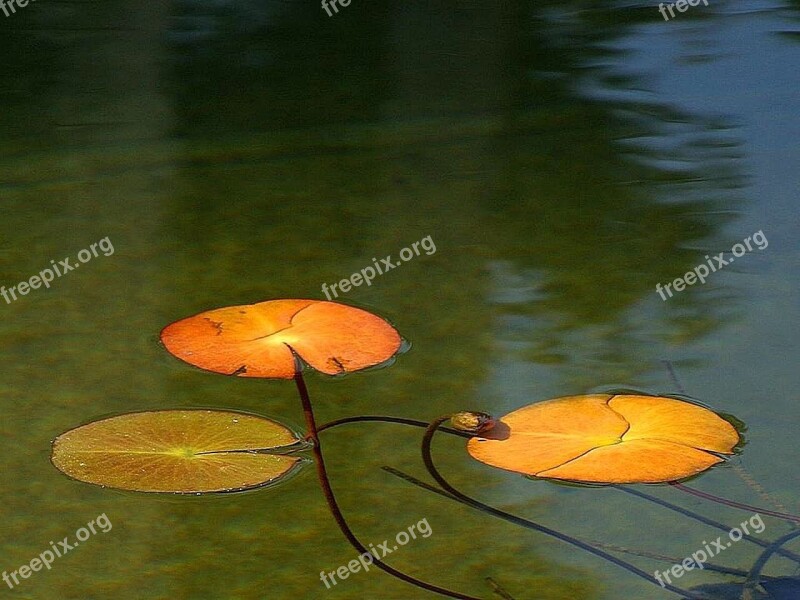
(606, 438)
(258, 340)
(179, 451)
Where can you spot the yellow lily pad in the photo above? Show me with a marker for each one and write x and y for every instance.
(179, 451)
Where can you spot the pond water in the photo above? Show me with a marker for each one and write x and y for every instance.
(562, 160)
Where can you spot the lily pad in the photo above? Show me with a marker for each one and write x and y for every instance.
(260, 340)
(607, 438)
(179, 451)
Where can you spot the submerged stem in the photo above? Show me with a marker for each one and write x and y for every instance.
(330, 498)
(702, 519)
(670, 559)
(434, 472)
(734, 504)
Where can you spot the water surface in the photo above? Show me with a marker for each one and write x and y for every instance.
(564, 158)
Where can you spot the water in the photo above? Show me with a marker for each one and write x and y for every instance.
(564, 161)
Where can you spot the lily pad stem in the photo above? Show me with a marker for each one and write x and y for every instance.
(327, 490)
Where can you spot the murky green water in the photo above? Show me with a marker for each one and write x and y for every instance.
(564, 159)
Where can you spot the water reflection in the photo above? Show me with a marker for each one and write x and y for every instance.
(601, 197)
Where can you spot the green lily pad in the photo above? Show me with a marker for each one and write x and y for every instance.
(179, 451)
